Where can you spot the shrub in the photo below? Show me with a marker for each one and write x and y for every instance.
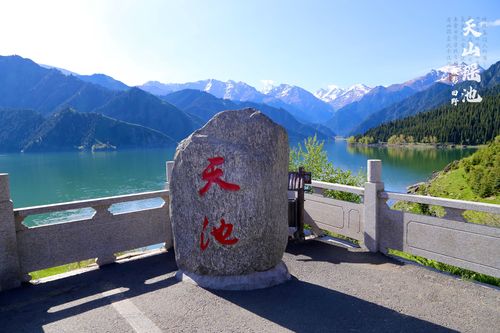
(366, 140)
(314, 159)
(483, 169)
(393, 140)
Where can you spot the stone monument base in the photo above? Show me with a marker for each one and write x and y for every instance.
(257, 280)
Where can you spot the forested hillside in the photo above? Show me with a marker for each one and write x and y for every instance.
(429, 99)
(466, 123)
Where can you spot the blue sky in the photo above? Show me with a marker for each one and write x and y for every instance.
(307, 43)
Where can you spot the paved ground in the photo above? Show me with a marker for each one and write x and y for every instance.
(332, 290)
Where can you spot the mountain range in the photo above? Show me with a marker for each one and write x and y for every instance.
(341, 110)
(437, 94)
(465, 123)
(299, 102)
(103, 80)
(24, 85)
(177, 109)
(38, 93)
(66, 130)
(362, 114)
(204, 106)
(338, 97)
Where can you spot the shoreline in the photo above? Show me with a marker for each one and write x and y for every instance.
(417, 145)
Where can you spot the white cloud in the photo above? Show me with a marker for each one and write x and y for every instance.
(495, 23)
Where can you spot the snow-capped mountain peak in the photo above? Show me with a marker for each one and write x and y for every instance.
(447, 74)
(329, 94)
(452, 68)
(281, 91)
(359, 87)
(338, 97)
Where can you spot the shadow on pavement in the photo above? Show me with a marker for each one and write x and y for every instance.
(297, 305)
(28, 308)
(321, 252)
(304, 307)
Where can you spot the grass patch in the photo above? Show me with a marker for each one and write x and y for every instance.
(339, 236)
(332, 234)
(463, 273)
(76, 265)
(452, 184)
(60, 269)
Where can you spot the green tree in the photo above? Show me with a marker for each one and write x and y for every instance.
(366, 140)
(483, 169)
(314, 159)
(393, 140)
(351, 139)
(467, 123)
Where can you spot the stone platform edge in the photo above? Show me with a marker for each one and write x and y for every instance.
(257, 280)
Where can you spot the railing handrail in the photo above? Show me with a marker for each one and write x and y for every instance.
(450, 203)
(338, 187)
(105, 201)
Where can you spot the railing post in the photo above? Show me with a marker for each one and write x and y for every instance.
(170, 167)
(169, 241)
(373, 185)
(9, 260)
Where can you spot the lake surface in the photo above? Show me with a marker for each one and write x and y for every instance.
(401, 166)
(38, 179)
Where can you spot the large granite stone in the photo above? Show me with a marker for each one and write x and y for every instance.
(234, 221)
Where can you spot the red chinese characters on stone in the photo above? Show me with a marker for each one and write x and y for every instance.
(221, 234)
(203, 244)
(212, 174)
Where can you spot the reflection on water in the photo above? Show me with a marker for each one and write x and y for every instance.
(408, 156)
(401, 166)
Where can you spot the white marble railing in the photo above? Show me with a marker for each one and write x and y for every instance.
(373, 223)
(449, 239)
(100, 236)
(24, 249)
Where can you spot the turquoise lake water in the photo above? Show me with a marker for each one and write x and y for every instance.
(38, 179)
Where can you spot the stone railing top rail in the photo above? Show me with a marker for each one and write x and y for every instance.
(338, 187)
(107, 201)
(450, 203)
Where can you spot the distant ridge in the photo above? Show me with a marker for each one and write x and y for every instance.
(466, 123)
(26, 85)
(204, 106)
(299, 102)
(139, 107)
(437, 95)
(68, 130)
(104, 81)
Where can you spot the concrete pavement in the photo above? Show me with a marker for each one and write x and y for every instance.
(332, 289)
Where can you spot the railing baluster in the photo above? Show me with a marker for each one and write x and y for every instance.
(9, 258)
(454, 214)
